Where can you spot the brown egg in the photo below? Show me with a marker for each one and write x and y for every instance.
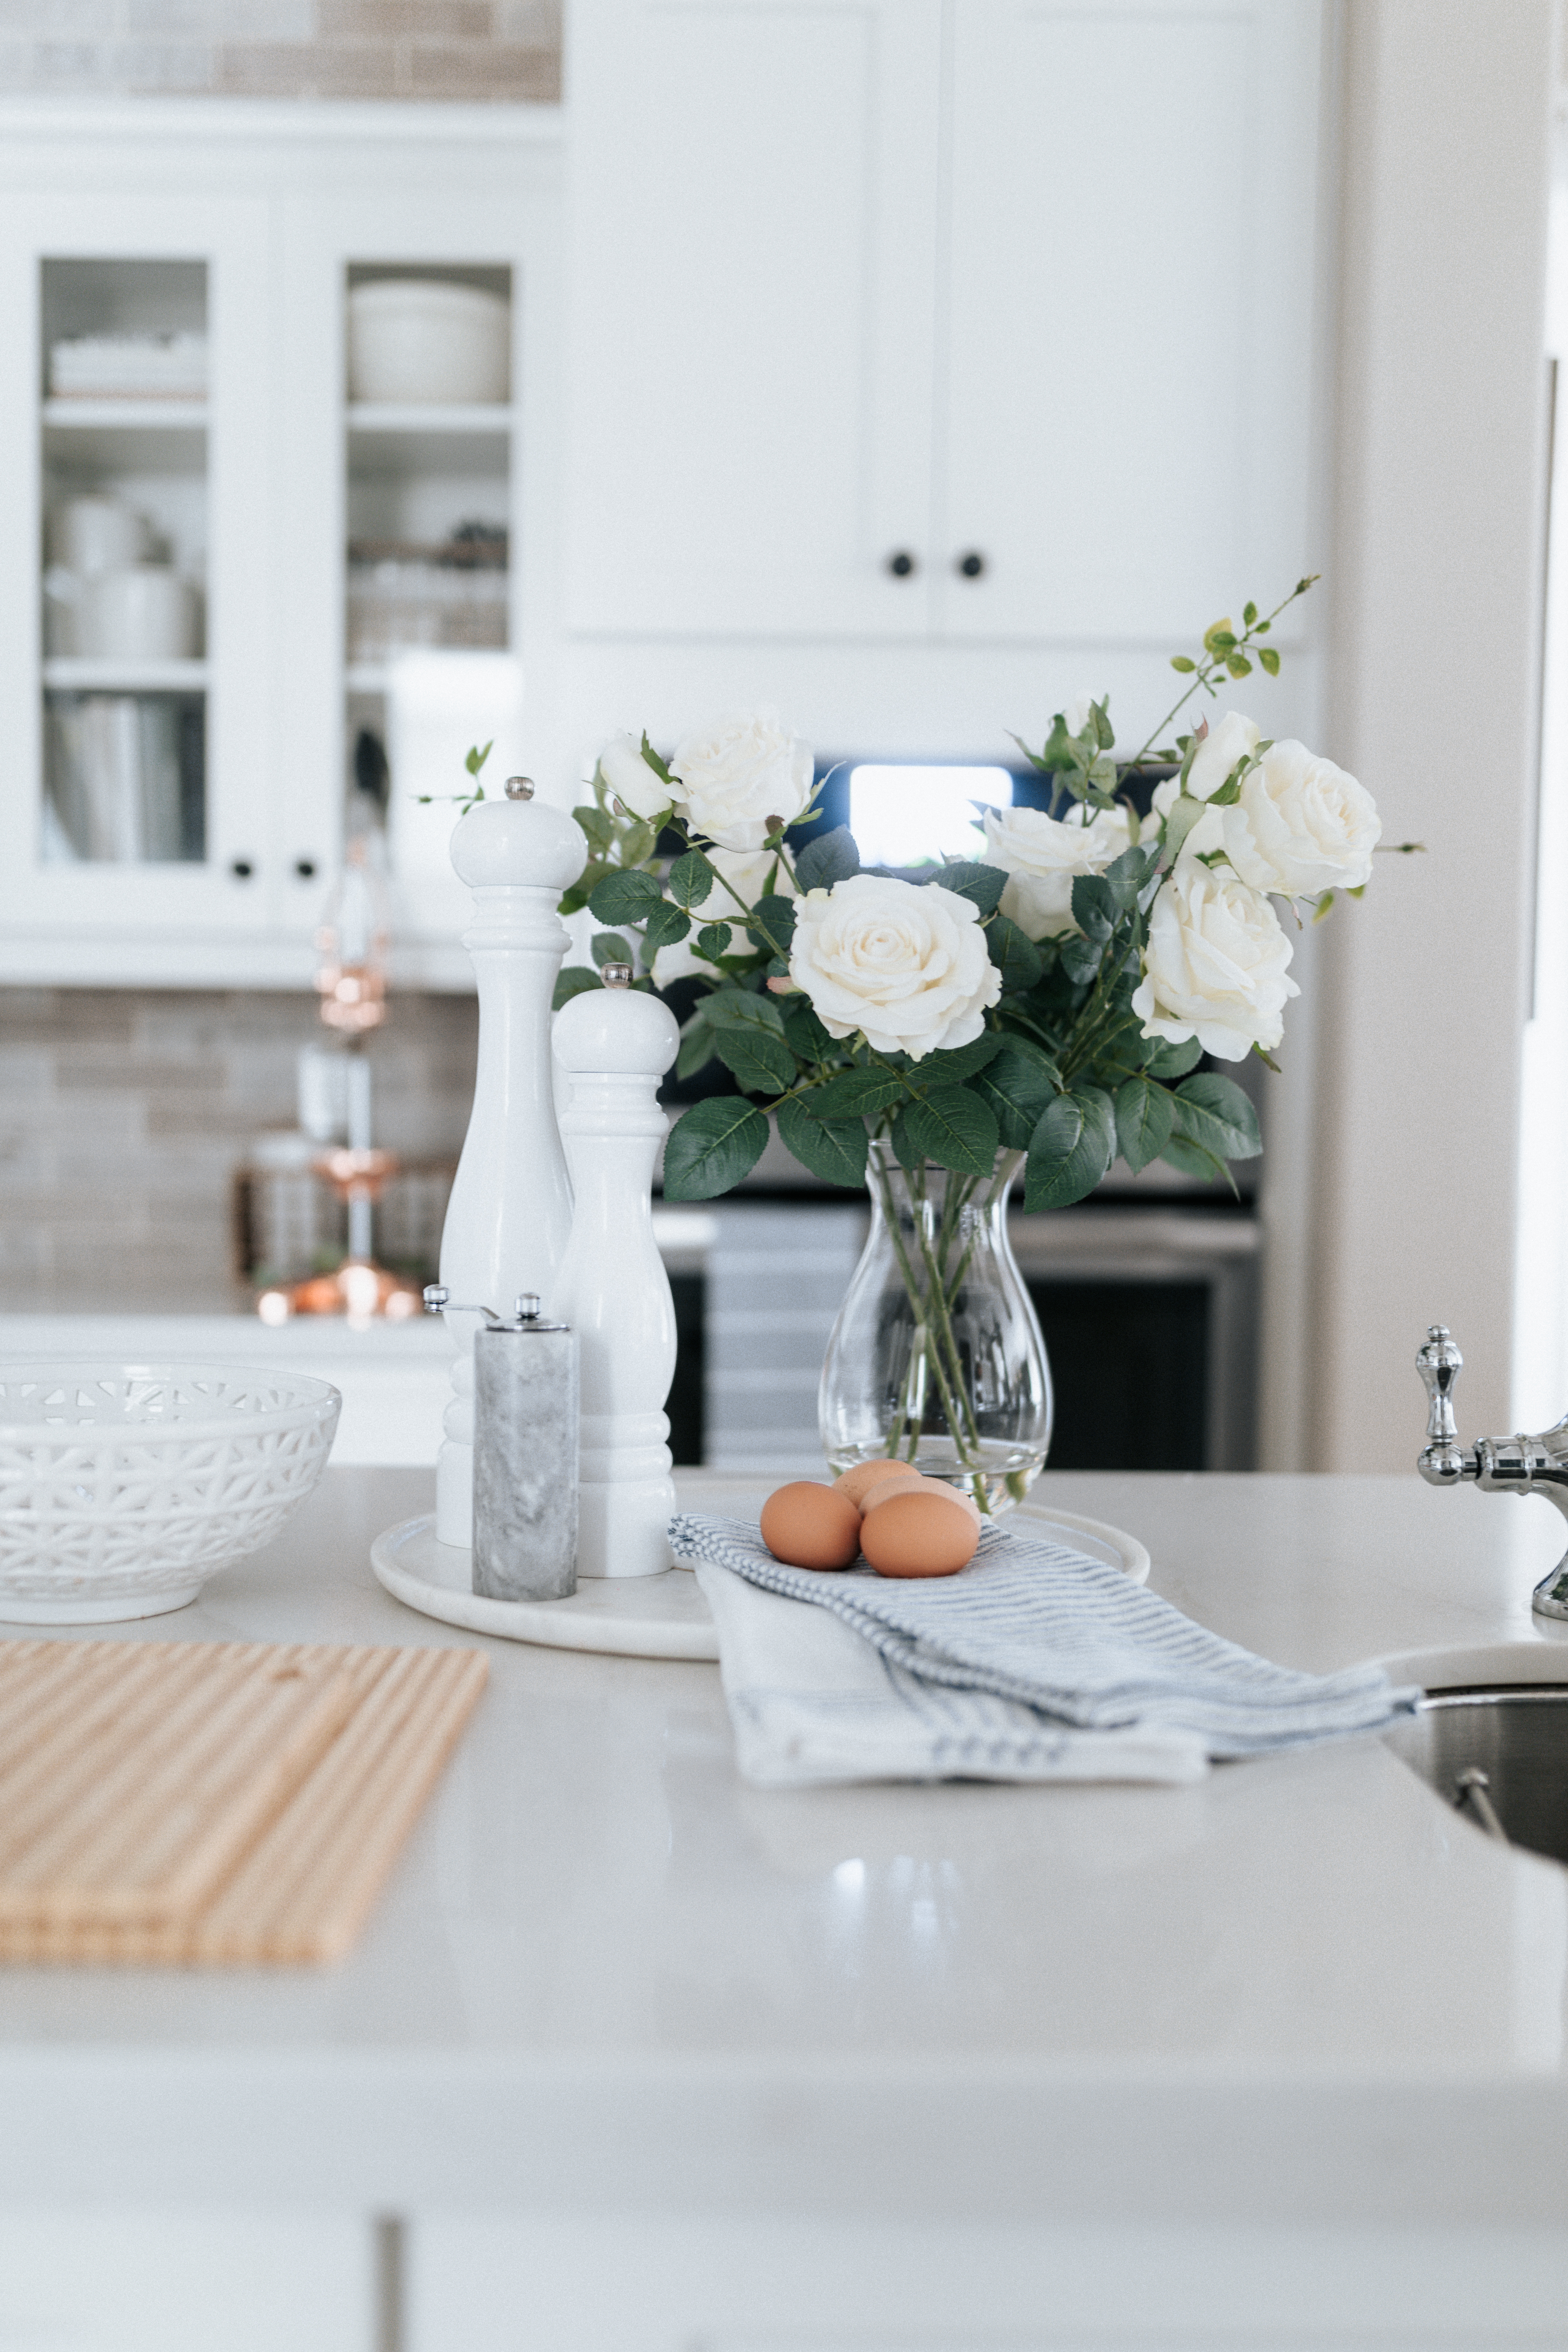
(809, 1525)
(934, 1486)
(920, 1533)
(858, 1482)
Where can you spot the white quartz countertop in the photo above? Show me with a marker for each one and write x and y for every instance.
(607, 1971)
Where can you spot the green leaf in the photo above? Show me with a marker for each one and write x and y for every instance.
(1019, 1089)
(1015, 954)
(712, 1147)
(906, 1150)
(955, 1128)
(1100, 715)
(761, 1062)
(690, 879)
(1214, 1112)
(1180, 661)
(661, 767)
(804, 1031)
(666, 925)
(1183, 816)
(622, 898)
(1238, 666)
(1094, 907)
(713, 941)
(833, 858)
(730, 1008)
(1269, 656)
(1145, 1121)
(598, 825)
(1070, 1150)
(772, 923)
(1127, 876)
(475, 759)
(833, 1148)
(852, 1094)
(1080, 958)
(1249, 614)
(982, 885)
(959, 1062)
(638, 842)
(1194, 1161)
(572, 983)
(696, 1046)
(1168, 1061)
(608, 947)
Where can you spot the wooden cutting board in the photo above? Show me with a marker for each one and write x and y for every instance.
(212, 1801)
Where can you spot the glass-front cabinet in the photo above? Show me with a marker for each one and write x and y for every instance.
(260, 549)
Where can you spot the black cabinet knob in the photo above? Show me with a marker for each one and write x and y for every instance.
(241, 868)
(972, 565)
(305, 867)
(900, 563)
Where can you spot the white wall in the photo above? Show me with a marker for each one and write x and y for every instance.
(1433, 702)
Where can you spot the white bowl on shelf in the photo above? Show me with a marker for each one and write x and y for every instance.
(143, 611)
(123, 1487)
(421, 343)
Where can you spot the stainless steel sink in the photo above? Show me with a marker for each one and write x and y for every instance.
(1498, 1753)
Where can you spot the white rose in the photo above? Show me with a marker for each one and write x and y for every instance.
(639, 788)
(1235, 738)
(1041, 853)
(1301, 826)
(737, 774)
(1213, 967)
(752, 877)
(905, 963)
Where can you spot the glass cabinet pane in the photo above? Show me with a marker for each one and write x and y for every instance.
(428, 577)
(124, 560)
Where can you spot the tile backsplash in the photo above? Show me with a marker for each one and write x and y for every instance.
(124, 1112)
(430, 49)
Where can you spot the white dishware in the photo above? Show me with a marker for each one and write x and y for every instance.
(649, 1616)
(123, 1487)
(614, 1043)
(142, 612)
(510, 1214)
(94, 533)
(423, 342)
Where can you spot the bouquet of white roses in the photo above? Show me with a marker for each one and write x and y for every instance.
(1047, 1001)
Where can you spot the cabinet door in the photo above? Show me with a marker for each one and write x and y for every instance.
(1129, 293)
(753, 205)
(156, 823)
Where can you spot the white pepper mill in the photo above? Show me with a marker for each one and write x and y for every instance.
(510, 1216)
(615, 1044)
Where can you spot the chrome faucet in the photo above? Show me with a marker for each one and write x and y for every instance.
(1498, 1465)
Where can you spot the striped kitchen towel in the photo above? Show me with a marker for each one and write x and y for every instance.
(1034, 1663)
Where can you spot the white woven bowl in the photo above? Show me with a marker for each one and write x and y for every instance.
(124, 1487)
(416, 340)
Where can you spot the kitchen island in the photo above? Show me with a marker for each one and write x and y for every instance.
(634, 2056)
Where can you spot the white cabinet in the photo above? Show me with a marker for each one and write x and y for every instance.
(361, 578)
(753, 229)
(991, 319)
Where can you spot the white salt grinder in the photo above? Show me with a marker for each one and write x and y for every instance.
(615, 1044)
(510, 1216)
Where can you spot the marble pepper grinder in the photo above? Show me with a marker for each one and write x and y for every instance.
(615, 1044)
(510, 1216)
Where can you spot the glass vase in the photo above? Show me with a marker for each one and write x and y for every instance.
(936, 1358)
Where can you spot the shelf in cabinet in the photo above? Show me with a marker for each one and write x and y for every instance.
(388, 416)
(82, 674)
(146, 415)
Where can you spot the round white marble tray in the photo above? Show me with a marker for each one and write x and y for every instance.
(643, 1616)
